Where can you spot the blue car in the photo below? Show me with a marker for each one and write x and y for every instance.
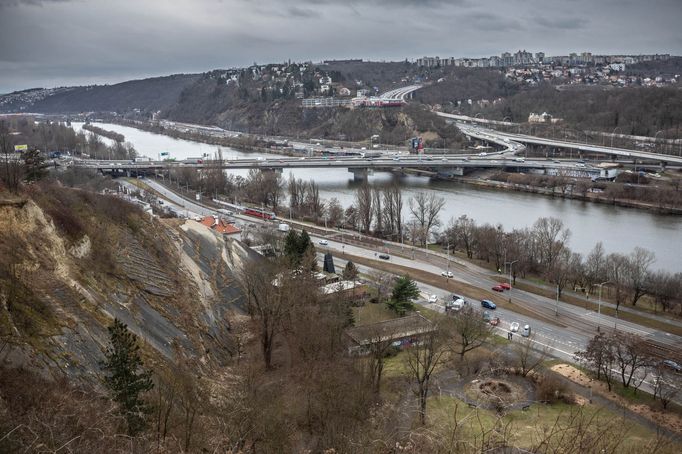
(488, 304)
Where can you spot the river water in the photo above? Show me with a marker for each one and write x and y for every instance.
(620, 229)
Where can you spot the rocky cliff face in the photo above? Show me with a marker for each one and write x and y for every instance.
(71, 261)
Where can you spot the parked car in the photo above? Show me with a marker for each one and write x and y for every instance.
(455, 305)
(433, 298)
(456, 297)
(495, 321)
(324, 242)
(514, 327)
(384, 256)
(505, 285)
(498, 288)
(526, 331)
(447, 274)
(670, 364)
(488, 304)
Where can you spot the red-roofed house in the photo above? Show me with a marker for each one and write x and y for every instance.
(220, 226)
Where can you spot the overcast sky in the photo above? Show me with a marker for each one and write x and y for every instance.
(47, 43)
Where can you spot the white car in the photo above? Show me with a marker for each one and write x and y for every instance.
(324, 242)
(433, 299)
(447, 274)
(514, 327)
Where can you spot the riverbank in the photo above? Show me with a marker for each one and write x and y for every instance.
(256, 144)
(551, 192)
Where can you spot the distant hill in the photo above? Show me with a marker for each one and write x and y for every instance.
(148, 95)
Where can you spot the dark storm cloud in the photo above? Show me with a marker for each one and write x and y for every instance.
(52, 42)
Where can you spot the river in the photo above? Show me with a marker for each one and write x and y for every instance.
(620, 229)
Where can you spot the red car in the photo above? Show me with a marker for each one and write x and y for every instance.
(495, 321)
(504, 285)
(498, 288)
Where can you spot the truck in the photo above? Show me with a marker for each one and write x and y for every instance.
(142, 159)
(283, 227)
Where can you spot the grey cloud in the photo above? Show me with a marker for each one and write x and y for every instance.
(73, 42)
(11, 3)
(563, 23)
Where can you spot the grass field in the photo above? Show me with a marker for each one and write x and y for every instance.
(527, 428)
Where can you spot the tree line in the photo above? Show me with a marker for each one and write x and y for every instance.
(542, 250)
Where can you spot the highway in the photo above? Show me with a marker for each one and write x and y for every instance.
(488, 134)
(485, 160)
(400, 93)
(562, 334)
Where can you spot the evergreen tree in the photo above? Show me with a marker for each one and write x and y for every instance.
(350, 272)
(33, 165)
(126, 377)
(291, 243)
(304, 243)
(404, 291)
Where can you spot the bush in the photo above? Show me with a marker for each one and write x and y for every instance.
(552, 389)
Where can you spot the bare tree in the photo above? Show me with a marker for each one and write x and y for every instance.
(425, 208)
(599, 357)
(334, 212)
(630, 355)
(11, 167)
(422, 360)
(527, 359)
(363, 205)
(392, 211)
(266, 302)
(617, 272)
(638, 272)
(551, 237)
(469, 330)
(667, 384)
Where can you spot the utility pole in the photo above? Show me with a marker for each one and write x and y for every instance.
(556, 313)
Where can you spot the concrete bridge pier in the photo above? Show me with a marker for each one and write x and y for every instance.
(662, 166)
(361, 174)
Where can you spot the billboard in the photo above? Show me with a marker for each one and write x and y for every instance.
(21, 147)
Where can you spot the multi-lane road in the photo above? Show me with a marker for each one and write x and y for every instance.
(464, 124)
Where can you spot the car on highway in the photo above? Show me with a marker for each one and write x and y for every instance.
(447, 274)
(525, 332)
(498, 288)
(580, 164)
(454, 305)
(324, 242)
(456, 297)
(433, 298)
(384, 256)
(495, 321)
(483, 153)
(514, 327)
(488, 304)
(505, 285)
(670, 364)
(396, 158)
(556, 161)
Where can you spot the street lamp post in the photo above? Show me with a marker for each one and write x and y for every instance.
(510, 268)
(599, 304)
(613, 134)
(556, 310)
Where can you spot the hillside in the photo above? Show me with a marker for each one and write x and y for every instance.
(147, 95)
(72, 260)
